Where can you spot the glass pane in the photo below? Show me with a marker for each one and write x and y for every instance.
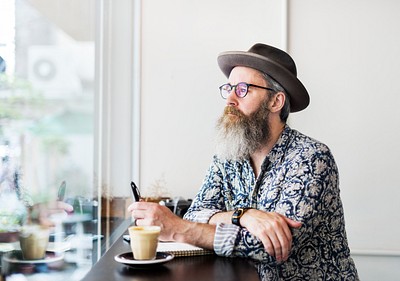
(47, 108)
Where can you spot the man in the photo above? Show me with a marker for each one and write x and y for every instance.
(271, 193)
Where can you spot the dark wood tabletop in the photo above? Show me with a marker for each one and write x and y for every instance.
(196, 268)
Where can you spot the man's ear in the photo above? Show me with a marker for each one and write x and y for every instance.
(277, 101)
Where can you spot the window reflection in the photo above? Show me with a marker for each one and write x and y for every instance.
(47, 66)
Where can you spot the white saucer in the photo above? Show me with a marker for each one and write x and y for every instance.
(128, 259)
(58, 247)
(49, 257)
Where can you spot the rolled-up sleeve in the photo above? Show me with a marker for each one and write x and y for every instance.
(225, 239)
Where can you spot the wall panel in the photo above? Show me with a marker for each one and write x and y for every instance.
(347, 55)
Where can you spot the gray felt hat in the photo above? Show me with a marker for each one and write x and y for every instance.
(274, 62)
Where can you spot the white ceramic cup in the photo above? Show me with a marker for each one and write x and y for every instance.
(144, 241)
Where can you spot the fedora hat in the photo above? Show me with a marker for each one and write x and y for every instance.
(274, 62)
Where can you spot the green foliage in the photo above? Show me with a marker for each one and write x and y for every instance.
(18, 100)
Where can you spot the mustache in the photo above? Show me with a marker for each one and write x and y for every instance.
(232, 110)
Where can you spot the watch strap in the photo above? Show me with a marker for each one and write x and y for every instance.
(237, 214)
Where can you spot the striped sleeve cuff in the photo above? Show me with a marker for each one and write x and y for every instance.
(224, 239)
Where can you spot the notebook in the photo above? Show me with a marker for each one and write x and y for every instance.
(182, 249)
(179, 249)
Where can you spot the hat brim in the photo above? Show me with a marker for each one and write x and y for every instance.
(299, 98)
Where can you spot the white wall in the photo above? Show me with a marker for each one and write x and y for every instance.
(347, 56)
(180, 79)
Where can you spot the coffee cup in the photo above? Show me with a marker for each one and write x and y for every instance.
(33, 240)
(144, 241)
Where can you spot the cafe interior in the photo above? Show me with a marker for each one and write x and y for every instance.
(97, 94)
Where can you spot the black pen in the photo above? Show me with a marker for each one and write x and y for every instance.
(61, 191)
(135, 192)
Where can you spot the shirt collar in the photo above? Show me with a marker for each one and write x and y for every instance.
(278, 150)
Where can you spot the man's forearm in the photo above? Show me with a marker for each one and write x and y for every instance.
(224, 217)
(198, 234)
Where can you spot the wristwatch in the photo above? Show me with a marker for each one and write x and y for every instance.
(237, 214)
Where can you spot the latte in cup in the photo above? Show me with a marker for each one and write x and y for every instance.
(144, 241)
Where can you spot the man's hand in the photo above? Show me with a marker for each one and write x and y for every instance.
(272, 229)
(148, 213)
(173, 227)
(43, 212)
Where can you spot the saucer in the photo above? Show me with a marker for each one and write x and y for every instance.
(128, 259)
(58, 247)
(49, 258)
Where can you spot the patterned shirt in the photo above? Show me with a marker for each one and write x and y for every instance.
(298, 179)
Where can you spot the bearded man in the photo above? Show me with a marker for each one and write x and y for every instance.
(271, 193)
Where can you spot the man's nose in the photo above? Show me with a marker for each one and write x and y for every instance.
(231, 99)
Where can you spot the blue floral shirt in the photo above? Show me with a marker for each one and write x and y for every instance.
(298, 179)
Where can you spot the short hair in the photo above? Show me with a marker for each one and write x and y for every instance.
(271, 83)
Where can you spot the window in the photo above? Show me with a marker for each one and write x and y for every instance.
(47, 109)
(66, 110)
(47, 98)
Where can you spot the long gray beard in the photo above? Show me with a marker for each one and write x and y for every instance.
(237, 139)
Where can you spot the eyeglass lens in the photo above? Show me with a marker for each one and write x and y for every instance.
(240, 90)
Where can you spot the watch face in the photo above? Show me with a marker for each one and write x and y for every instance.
(239, 212)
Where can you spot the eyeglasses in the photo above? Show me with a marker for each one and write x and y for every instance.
(241, 89)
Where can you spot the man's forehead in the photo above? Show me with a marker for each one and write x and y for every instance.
(246, 72)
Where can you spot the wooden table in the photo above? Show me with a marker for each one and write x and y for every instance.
(198, 268)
